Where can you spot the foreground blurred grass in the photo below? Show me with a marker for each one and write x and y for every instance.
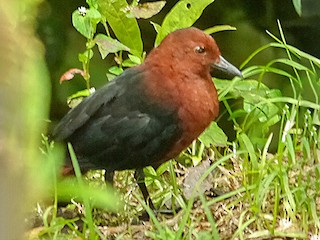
(24, 102)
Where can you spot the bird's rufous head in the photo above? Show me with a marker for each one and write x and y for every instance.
(193, 50)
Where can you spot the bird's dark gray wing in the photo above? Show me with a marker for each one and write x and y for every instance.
(79, 115)
(118, 127)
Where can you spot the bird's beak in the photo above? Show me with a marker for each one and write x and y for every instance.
(224, 70)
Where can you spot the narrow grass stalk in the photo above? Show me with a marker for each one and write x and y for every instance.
(174, 185)
(86, 202)
(242, 226)
(214, 230)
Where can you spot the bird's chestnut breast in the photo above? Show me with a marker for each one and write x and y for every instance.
(193, 97)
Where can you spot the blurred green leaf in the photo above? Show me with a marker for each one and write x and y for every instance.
(126, 29)
(144, 10)
(108, 45)
(102, 198)
(182, 15)
(85, 21)
(213, 135)
(116, 70)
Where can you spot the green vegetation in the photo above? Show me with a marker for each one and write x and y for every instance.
(264, 183)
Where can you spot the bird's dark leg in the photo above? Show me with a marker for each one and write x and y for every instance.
(139, 176)
(108, 176)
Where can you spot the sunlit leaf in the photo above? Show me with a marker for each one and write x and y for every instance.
(92, 3)
(213, 135)
(144, 10)
(182, 15)
(85, 21)
(108, 45)
(132, 61)
(116, 70)
(77, 97)
(126, 29)
(82, 93)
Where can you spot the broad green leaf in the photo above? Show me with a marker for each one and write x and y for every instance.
(92, 3)
(85, 21)
(144, 10)
(132, 61)
(128, 63)
(264, 111)
(126, 29)
(108, 45)
(115, 70)
(245, 89)
(213, 135)
(82, 93)
(77, 97)
(182, 15)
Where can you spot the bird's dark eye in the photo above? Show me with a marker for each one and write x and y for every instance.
(199, 49)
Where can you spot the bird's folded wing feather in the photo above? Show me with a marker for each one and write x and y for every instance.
(119, 127)
(79, 115)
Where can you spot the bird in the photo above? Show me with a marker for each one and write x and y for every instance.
(151, 112)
